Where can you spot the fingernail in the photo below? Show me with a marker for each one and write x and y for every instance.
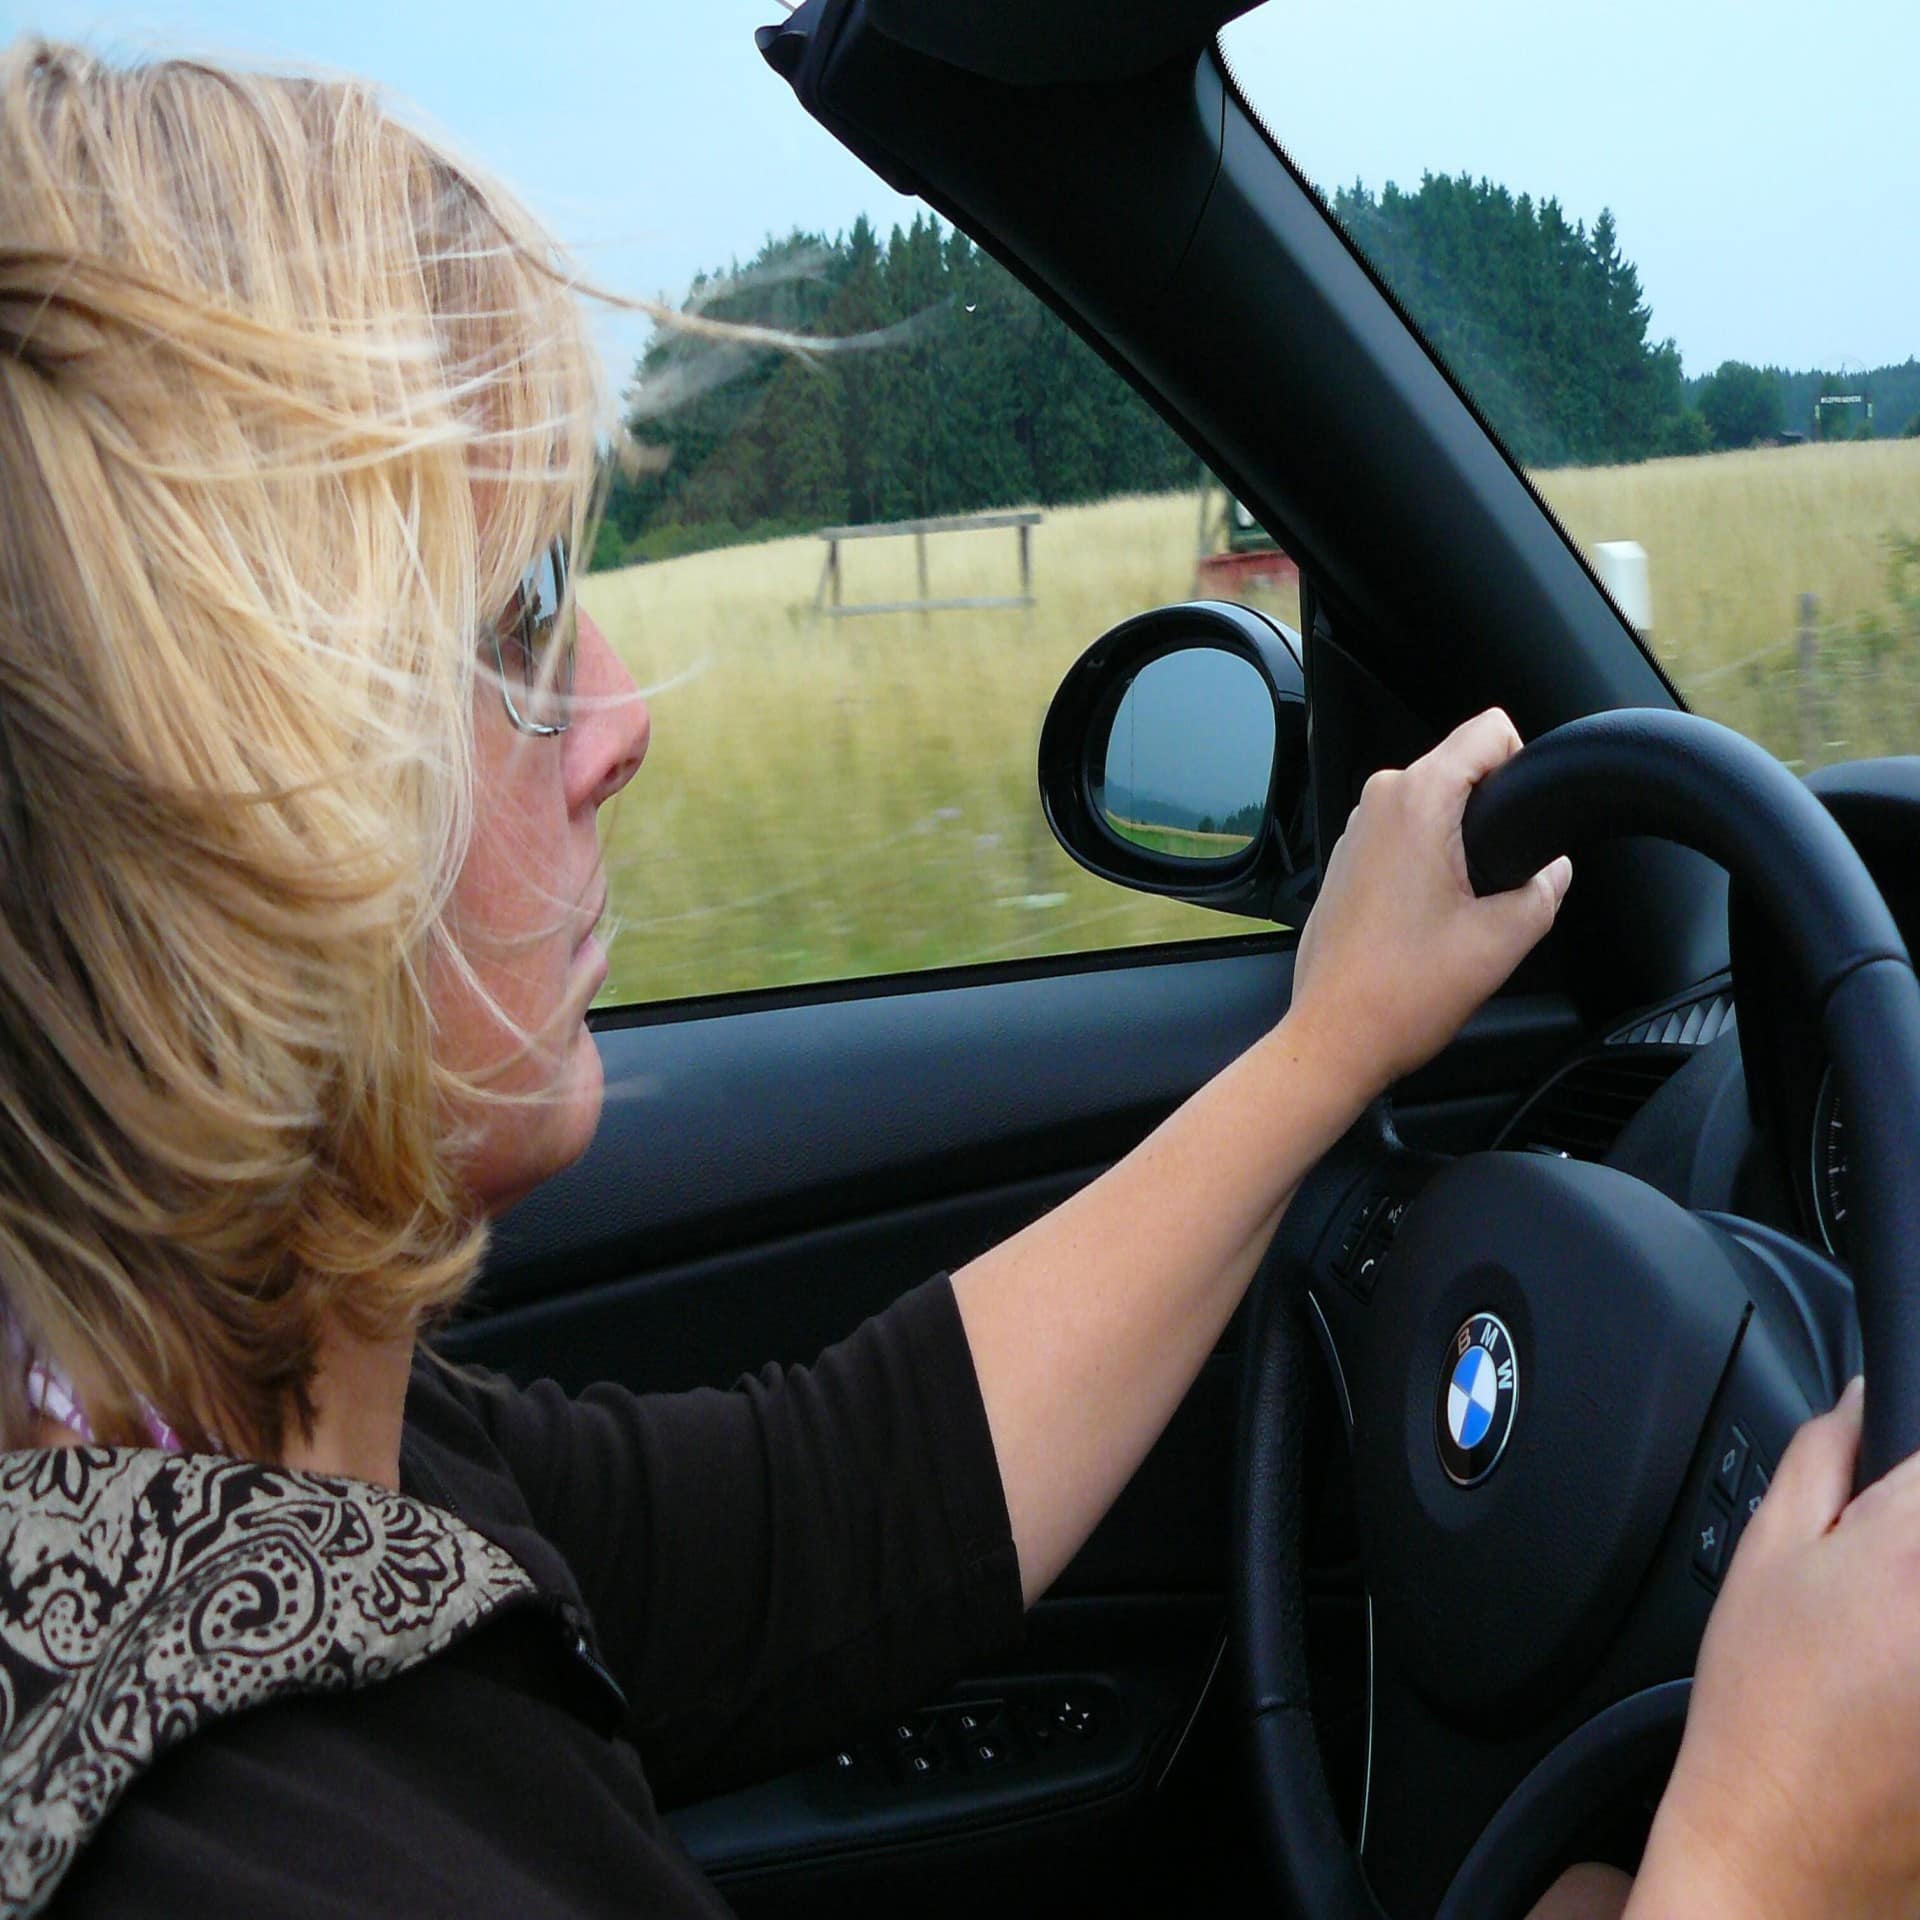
(1855, 1389)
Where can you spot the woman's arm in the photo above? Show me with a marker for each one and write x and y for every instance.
(1088, 1327)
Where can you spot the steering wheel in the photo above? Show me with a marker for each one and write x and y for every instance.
(1563, 1391)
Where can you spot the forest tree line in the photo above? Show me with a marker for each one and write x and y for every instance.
(976, 395)
(1745, 405)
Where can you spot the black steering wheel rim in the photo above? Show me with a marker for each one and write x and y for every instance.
(1684, 779)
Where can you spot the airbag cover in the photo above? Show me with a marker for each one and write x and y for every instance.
(1624, 1310)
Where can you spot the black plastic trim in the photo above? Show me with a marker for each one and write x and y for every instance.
(883, 986)
(1238, 94)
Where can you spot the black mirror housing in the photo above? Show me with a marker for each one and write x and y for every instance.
(1272, 877)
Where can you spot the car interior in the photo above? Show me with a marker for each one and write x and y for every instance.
(1326, 1652)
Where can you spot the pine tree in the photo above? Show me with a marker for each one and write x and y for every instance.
(1542, 321)
(803, 474)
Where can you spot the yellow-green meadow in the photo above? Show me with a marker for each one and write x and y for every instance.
(827, 798)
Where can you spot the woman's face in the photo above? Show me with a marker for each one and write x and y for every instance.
(524, 911)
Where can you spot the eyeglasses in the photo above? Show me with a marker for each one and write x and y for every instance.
(533, 646)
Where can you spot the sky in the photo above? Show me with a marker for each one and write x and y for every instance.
(1195, 729)
(1760, 159)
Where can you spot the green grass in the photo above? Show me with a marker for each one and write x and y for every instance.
(833, 798)
(1733, 541)
(1182, 842)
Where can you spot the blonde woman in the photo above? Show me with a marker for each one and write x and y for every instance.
(301, 749)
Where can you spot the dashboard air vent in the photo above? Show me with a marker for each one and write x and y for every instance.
(1586, 1109)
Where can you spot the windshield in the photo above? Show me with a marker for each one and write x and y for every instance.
(1667, 252)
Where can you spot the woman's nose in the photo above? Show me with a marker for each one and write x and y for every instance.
(611, 727)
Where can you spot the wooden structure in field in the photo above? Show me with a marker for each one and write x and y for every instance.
(828, 599)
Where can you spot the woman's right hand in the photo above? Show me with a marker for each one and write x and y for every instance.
(1797, 1790)
(1398, 950)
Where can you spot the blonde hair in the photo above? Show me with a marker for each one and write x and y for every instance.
(288, 398)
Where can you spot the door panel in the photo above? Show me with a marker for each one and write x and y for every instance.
(733, 1123)
(765, 1177)
(749, 1128)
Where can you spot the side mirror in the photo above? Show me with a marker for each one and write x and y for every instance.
(1174, 760)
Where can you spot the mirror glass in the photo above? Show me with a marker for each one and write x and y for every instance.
(1189, 762)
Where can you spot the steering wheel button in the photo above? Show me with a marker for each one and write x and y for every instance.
(1753, 1489)
(1729, 1462)
(1356, 1232)
(1711, 1525)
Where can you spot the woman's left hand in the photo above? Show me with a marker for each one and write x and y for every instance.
(1398, 950)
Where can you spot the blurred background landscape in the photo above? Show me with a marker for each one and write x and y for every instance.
(838, 796)
(1666, 250)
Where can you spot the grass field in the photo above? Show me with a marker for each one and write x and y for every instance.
(1733, 541)
(1184, 843)
(829, 798)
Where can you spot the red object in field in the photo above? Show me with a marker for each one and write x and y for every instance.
(1223, 576)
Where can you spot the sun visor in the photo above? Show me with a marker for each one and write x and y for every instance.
(1054, 42)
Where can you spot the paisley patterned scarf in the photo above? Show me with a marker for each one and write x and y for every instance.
(145, 1594)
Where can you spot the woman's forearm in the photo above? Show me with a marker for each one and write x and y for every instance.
(1088, 1327)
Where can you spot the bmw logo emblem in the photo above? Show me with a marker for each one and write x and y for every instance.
(1478, 1394)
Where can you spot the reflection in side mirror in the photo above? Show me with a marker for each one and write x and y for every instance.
(1189, 762)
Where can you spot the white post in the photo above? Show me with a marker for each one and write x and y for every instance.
(1622, 567)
